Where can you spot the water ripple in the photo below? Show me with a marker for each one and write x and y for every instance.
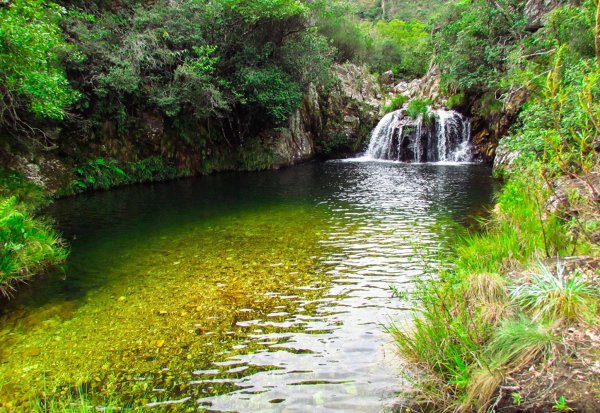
(385, 231)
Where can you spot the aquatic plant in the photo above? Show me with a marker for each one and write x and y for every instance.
(79, 401)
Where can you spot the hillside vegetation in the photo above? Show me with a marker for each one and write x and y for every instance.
(405, 10)
(212, 79)
(522, 298)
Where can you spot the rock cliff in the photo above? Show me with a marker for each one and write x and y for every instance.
(333, 122)
(537, 10)
(330, 122)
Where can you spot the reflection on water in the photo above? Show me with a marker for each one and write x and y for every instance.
(236, 292)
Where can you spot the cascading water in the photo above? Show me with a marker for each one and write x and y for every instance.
(439, 136)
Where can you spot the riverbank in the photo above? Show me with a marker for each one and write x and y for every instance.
(30, 244)
(513, 326)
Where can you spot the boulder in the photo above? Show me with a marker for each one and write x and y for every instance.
(387, 78)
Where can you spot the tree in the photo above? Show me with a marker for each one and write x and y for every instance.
(32, 49)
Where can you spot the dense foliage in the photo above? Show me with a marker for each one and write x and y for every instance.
(473, 41)
(408, 10)
(32, 49)
(504, 307)
(29, 245)
(216, 59)
(403, 47)
(233, 67)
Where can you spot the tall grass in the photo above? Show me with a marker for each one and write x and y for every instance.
(469, 330)
(557, 296)
(519, 230)
(516, 343)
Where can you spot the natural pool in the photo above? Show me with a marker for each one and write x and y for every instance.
(236, 292)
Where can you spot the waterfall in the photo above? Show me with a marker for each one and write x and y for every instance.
(439, 136)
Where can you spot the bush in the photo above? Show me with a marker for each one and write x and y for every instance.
(214, 61)
(337, 22)
(557, 297)
(456, 101)
(417, 107)
(473, 43)
(31, 48)
(99, 174)
(29, 245)
(396, 103)
(403, 47)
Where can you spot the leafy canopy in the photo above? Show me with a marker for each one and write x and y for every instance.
(32, 48)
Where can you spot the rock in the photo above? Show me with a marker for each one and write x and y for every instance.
(426, 87)
(504, 159)
(329, 122)
(352, 119)
(537, 10)
(41, 170)
(387, 78)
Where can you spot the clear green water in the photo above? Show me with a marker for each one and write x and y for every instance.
(236, 292)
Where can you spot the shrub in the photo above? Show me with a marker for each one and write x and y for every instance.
(456, 101)
(99, 174)
(29, 245)
(396, 103)
(474, 41)
(403, 47)
(31, 47)
(417, 107)
(219, 60)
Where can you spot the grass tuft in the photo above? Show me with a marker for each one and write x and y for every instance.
(557, 297)
(518, 342)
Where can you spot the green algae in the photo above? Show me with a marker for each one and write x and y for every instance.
(170, 306)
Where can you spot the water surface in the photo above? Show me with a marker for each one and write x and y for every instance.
(236, 292)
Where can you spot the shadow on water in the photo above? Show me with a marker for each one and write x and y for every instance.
(237, 292)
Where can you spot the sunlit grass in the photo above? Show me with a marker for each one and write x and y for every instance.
(557, 296)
